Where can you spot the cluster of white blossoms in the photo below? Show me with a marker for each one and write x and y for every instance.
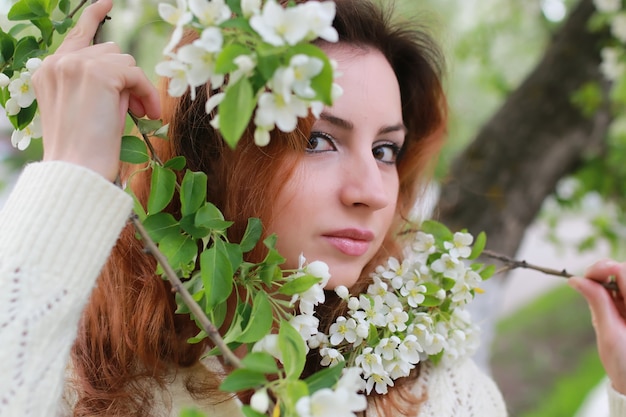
(412, 311)
(225, 53)
(613, 57)
(22, 96)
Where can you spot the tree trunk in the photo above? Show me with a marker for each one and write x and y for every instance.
(538, 136)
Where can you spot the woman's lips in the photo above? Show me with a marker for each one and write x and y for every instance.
(351, 242)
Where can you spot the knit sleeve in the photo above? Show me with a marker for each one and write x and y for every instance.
(617, 402)
(56, 231)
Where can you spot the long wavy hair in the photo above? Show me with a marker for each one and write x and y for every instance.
(130, 340)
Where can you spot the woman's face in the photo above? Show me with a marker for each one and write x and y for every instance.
(341, 200)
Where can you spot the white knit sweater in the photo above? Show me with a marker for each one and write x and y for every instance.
(56, 231)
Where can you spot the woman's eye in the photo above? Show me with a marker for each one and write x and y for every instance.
(320, 142)
(387, 153)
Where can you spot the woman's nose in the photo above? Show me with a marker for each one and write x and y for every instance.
(364, 184)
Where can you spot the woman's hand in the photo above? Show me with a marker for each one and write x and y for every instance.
(84, 91)
(608, 311)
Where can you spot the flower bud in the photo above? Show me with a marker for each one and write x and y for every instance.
(260, 401)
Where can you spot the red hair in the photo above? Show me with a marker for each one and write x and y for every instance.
(130, 336)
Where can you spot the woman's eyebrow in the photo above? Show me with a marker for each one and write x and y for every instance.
(337, 121)
(347, 125)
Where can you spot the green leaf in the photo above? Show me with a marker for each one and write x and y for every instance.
(235, 111)
(64, 6)
(235, 6)
(191, 412)
(27, 10)
(268, 273)
(292, 349)
(487, 272)
(162, 188)
(250, 412)
(210, 216)
(326, 378)
(7, 46)
(147, 127)
(225, 60)
(180, 251)
(438, 230)
(44, 24)
(479, 245)
(268, 60)
(217, 274)
(192, 192)
(323, 82)
(25, 48)
(294, 390)
(299, 285)
(134, 150)
(137, 208)
(242, 379)
(234, 254)
(177, 163)
(162, 132)
(160, 225)
(24, 117)
(260, 362)
(261, 320)
(62, 26)
(188, 224)
(254, 229)
(430, 301)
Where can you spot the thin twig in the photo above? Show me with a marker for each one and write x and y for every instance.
(514, 263)
(146, 139)
(77, 8)
(178, 286)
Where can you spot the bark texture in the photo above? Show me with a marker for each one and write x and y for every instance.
(537, 137)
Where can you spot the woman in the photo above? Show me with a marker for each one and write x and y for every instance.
(352, 175)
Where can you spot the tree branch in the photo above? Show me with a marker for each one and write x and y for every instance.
(177, 285)
(513, 264)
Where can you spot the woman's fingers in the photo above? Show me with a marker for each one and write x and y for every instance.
(85, 29)
(608, 316)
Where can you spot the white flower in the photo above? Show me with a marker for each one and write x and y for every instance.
(22, 91)
(396, 319)
(369, 361)
(320, 20)
(414, 293)
(4, 80)
(351, 379)
(176, 71)
(304, 69)
(178, 16)
(260, 401)
(449, 266)
(372, 310)
(269, 344)
(21, 138)
(318, 269)
(210, 12)
(386, 348)
(325, 402)
(250, 7)
(330, 356)
(397, 368)
(200, 66)
(410, 349)
(33, 64)
(213, 102)
(320, 339)
(612, 66)
(342, 292)
(343, 329)
(379, 382)
(306, 325)
(607, 6)
(618, 26)
(394, 272)
(11, 107)
(261, 136)
(424, 242)
(460, 246)
(278, 26)
(211, 40)
(245, 67)
(273, 109)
